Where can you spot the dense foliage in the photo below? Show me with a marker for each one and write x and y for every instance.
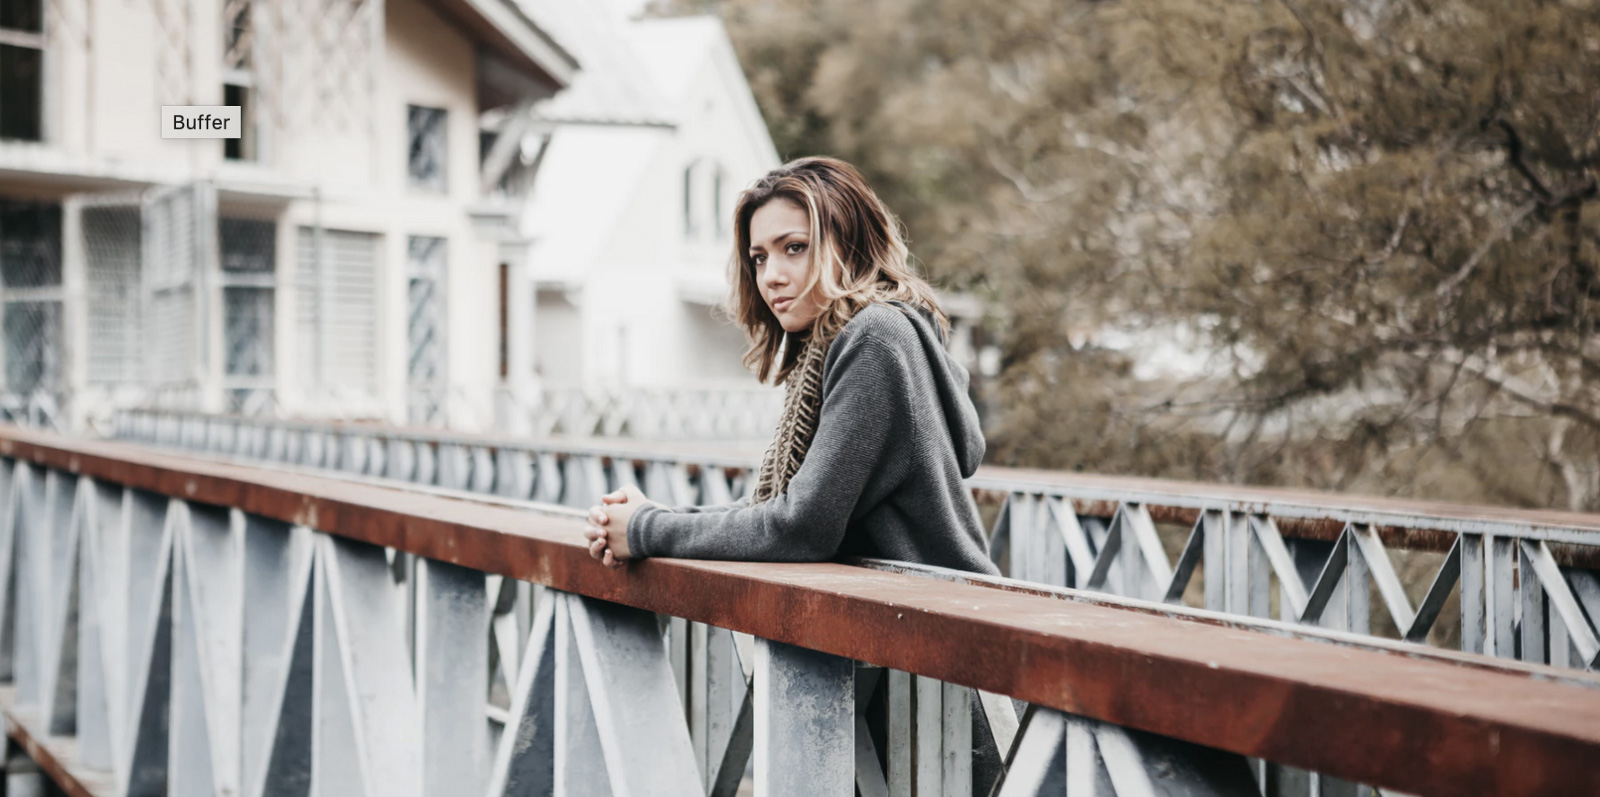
(1341, 243)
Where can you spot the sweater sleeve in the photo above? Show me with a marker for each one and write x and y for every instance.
(864, 399)
(711, 509)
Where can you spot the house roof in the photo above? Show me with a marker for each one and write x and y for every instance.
(505, 30)
(674, 50)
(608, 127)
(677, 50)
(614, 86)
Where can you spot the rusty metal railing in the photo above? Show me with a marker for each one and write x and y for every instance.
(1512, 583)
(180, 624)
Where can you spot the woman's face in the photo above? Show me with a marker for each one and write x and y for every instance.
(780, 251)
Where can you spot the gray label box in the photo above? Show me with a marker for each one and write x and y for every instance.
(202, 121)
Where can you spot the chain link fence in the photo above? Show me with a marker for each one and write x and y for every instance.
(30, 311)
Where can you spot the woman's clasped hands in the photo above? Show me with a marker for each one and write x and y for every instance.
(606, 526)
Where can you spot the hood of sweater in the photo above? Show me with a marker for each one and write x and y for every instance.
(952, 380)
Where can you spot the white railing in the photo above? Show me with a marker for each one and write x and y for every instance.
(683, 413)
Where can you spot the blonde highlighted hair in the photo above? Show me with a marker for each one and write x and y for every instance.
(858, 258)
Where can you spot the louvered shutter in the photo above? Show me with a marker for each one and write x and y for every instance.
(111, 254)
(176, 249)
(337, 314)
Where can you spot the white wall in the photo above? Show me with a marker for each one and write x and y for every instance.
(685, 344)
(429, 63)
(561, 352)
(103, 134)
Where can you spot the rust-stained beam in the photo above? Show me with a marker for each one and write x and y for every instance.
(55, 756)
(1236, 622)
(1415, 724)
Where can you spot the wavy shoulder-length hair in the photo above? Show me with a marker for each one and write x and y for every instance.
(858, 257)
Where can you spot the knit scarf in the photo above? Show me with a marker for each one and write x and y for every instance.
(802, 406)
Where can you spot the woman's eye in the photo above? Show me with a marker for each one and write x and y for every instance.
(758, 260)
(795, 248)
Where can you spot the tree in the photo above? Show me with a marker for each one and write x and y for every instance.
(1371, 221)
(1435, 282)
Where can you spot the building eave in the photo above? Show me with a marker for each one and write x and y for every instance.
(502, 29)
(47, 171)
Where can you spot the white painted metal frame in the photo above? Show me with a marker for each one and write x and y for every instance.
(1547, 616)
(196, 649)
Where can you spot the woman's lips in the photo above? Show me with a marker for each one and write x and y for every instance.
(780, 304)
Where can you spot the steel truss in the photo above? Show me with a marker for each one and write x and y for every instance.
(186, 625)
(1525, 584)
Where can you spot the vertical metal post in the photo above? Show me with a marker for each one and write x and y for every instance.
(1357, 587)
(452, 677)
(1472, 593)
(804, 722)
(956, 753)
(646, 746)
(902, 728)
(1535, 644)
(928, 735)
(580, 764)
(1500, 596)
(1237, 530)
(699, 708)
(1213, 525)
(1260, 578)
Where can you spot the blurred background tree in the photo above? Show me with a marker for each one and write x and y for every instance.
(1347, 244)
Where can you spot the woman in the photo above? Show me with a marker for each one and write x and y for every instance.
(877, 430)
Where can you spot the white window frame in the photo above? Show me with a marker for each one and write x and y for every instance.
(269, 281)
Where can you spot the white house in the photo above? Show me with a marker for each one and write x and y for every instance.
(635, 169)
(338, 258)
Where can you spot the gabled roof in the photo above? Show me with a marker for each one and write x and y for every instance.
(606, 129)
(613, 86)
(675, 49)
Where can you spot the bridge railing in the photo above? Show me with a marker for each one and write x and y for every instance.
(722, 412)
(1512, 583)
(179, 625)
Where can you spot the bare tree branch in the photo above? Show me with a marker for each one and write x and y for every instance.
(1506, 226)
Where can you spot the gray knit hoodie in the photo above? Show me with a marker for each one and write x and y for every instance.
(883, 475)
